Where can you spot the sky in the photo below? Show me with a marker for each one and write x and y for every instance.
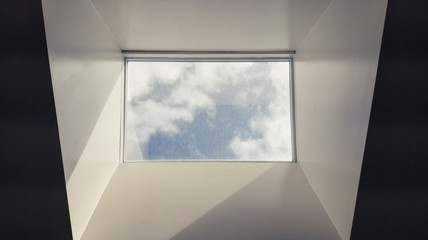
(208, 111)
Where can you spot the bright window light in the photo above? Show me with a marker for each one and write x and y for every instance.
(208, 110)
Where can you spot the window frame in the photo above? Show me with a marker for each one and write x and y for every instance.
(207, 59)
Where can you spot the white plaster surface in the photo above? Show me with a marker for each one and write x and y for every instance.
(86, 66)
(335, 69)
(210, 25)
(96, 165)
(193, 201)
(335, 72)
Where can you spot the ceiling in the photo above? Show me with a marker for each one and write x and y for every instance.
(337, 53)
(210, 25)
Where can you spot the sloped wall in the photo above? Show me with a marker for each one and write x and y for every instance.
(335, 71)
(86, 65)
(217, 200)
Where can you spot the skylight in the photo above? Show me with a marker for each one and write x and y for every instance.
(210, 110)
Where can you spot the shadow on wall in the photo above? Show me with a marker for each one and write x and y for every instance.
(282, 206)
(85, 63)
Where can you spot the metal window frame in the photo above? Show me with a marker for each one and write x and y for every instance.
(207, 59)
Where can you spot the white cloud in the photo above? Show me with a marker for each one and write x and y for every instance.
(186, 88)
(147, 74)
(179, 104)
(274, 127)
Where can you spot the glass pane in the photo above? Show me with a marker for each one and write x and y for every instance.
(231, 110)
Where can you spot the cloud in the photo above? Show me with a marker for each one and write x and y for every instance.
(145, 75)
(274, 127)
(162, 95)
(181, 98)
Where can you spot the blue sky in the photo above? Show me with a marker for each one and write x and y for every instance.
(208, 110)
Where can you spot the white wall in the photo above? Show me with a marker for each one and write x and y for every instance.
(335, 70)
(210, 25)
(86, 66)
(96, 165)
(193, 201)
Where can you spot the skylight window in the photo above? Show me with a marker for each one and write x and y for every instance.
(209, 110)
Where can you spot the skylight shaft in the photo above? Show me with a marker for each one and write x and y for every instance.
(209, 110)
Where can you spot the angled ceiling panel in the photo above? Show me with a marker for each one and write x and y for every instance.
(210, 25)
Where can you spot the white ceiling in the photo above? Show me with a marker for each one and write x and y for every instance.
(335, 74)
(210, 25)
